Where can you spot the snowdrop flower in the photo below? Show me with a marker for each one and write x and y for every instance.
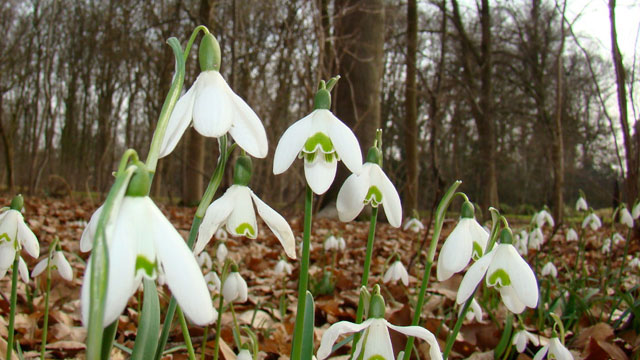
(617, 239)
(544, 217)
(549, 269)
(522, 338)
(14, 235)
(414, 225)
(235, 210)
(375, 343)
(635, 212)
(215, 109)
(221, 235)
(625, 217)
(634, 263)
(205, 259)
(283, 267)
(334, 243)
(144, 244)
(554, 350)
(322, 140)
(221, 252)
(57, 262)
(244, 354)
(593, 221)
(474, 311)
(572, 235)
(606, 247)
(234, 288)
(212, 280)
(536, 238)
(508, 272)
(521, 242)
(581, 205)
(467, 241)
(396, 272)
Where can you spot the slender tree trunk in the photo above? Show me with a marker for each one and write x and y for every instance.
(411, 110)
(558, 141)
(8, 150)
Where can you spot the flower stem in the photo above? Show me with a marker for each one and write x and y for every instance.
(456, 328)
(441, 211)
(204, 342)
(303, 281)
(218, 328)
(45, 323)
(14, 299)
(185, 333)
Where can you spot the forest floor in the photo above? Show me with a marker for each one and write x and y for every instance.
(595, 333)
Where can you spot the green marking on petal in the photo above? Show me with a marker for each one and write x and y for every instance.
(499, 278)
(376, 357)
(4, 237)
(477, 251)
(144, 264)
(318, 140)
(246, 229)
(374, 196)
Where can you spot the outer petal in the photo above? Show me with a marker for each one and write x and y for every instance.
(320, 175)
(344, 141)
(291, 143)
(456, 251)
(64, 269)
(213, 281)
(556, 348)
(28, 239)
(23, 270)
(242, 213)
(351, 196)
(247, 129)
(179, 121)
(422, 333)
(331, 335)
(522, 277)
(40, 267)
(216, 214)
(278, 226)
(181, 271)
(9, 224)
(376, 340)
(86, 241)
(390, 197)
(7, 256)
(541, 353)
(213, 105)
(473, 276)
(510, 299)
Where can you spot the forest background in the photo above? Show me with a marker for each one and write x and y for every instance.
(503, 95)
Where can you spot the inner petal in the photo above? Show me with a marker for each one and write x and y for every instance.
(318, 142)
(145, 267)
(246, 229)
(477, 251)
(374, 196)
(499, 278)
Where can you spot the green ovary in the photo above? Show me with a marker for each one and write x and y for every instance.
(246, 229)
(374, 196)
(376, 357)
(477, 251)
(499, 278)
(318, 140)
(144, 264)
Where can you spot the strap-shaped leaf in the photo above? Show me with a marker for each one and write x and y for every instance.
(307, 330)
(149, 326)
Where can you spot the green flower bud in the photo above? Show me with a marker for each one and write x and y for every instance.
(17, 203)
(374, 155)
(209, 53)
(467, 211)
(322, 100)
(140, 182)
(377, 306)
(242, 171)
(506, 236)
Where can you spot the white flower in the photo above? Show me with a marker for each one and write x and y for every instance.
(544, 217)
(635, 212)
(536, 238)
(467, 240)
(205, 259)
(581, 205)
(235, 210)
(221, 234)
(212, 280)
(144, 244)
(634, 263)
(522, 338)
(322, 140)
(375, 340)
(555, 350)
(617, 239)
(244, 354)
(508, 272)
(606, 247)
(234, 288)
(23, 271)
(57, 262)
(414, 225)
(334, 243)
(626, 218)
(283, 267)
(549, 269)
(593, 221)
(474, 311)
(215, 110)
(521, 243)
(370, 186)
(222, 252)
(396, 272)
(14, 235)
(572, 235)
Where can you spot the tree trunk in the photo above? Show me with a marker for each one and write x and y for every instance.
(8, 150)
(558, 141)
(411, 109)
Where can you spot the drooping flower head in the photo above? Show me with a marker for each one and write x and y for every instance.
(549, 270)
(625, 217)
(234, 288)
(522, 338)
(321, 139)
(414, 225)
(14, 235)
(234, 209)
(396, 272)
(56, 261)
(334, 243)
(283, 268)
(592, 220)
(214, 108)
(554, 350)
(581, 204)
(467, 241)
(474, 311)
(572, 235)
(370, 186)
(544, 217)
(536, 238)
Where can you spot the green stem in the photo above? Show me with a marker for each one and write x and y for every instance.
(214, 183)
(439, 222)
(216, 349)
(204, 342)
(236, 336)
(14, 300)
(45, 324)
(624, 257)
(195, 32)
(303, 281)
(185, 333)
(456, 329)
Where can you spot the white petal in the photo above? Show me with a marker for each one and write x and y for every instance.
(541, 353)
(511, 300)
(522, 277)
(320, 174)
(473, 276)
(247, 129)
(216, 215)
(244, 354)
(331, 335)
(243, 214)
(235, 288)
(23, 270)
(181, 270)
(40, 267)
(221, 252)
(64, 269)
(351, 196)
(7, 256)
(376, 340)
(278, 226)
(213, 281)
(291, 143)
(422, 333)
(344, 141)
(28, 240)
(86, 241)
(178, 121)
(390, 197)
(9, 224)
(213, 105)
(456, 251)
(556, 348)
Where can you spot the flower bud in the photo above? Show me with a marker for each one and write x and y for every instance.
(467, 211)
(242, 171)
(506, 236)
(209, 53)
(140, 182)
(17, 203)
(374, 155)
(322, 100)
(377, 307)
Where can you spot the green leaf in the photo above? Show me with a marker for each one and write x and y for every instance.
(107, 339)
(149, 326)
(307, 330)
(506, 337)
